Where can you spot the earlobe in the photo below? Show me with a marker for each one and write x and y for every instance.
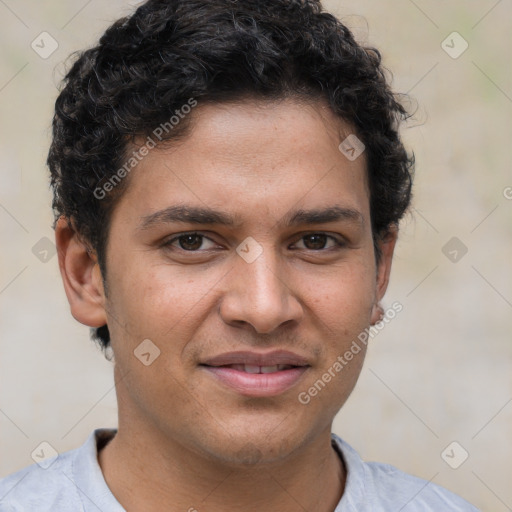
(81, 276)
(387, 247)
(377, 314)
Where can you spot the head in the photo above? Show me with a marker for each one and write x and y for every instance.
(240, 119)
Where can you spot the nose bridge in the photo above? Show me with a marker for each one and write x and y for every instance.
(257, 293)
(261, 276)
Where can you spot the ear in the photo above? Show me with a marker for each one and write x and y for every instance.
(81, 275)
(387, 247)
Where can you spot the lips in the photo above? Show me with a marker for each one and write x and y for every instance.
(261, 359)
(257, 374)
(249, 368)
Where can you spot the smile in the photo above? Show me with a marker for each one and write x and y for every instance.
(256, 381)
(248, 368)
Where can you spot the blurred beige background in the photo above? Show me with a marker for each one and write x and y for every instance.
(439, 372)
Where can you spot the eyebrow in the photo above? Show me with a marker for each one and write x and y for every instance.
(202, 215)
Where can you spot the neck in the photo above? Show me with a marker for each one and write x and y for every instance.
(148, 472)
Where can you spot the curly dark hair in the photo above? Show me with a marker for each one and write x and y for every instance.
(148, 65)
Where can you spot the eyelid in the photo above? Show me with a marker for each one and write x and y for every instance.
(339, 240)
(177, 236)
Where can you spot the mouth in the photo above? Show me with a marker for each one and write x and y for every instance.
(257, 374)
(249, 368)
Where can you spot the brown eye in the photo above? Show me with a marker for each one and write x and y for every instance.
(318, 241)
(315, 242)
(190, 242)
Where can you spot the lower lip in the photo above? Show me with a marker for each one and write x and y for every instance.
(257, 384)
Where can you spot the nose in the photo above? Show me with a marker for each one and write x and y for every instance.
(260, 294)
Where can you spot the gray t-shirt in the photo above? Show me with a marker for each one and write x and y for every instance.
(73, 481)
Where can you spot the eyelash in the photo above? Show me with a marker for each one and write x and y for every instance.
(168, 244)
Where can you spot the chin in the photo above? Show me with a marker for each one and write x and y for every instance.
(262, 446)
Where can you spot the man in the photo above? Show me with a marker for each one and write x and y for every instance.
(228, 182)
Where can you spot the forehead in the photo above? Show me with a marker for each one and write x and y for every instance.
(268, 132)
(253, 157)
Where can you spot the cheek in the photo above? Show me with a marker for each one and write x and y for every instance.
(162, 301)
(343, 298)
(154, 299)
(343, 311)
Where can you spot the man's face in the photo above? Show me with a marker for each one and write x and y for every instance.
(261, 285)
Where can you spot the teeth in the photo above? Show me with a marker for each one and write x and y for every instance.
(249, 368)
(268, 369)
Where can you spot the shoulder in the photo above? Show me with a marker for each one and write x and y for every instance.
(40, 487)
(54, 484)
(393, 485)
(377, 486)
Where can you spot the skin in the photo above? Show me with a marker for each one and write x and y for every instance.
(185, 440)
